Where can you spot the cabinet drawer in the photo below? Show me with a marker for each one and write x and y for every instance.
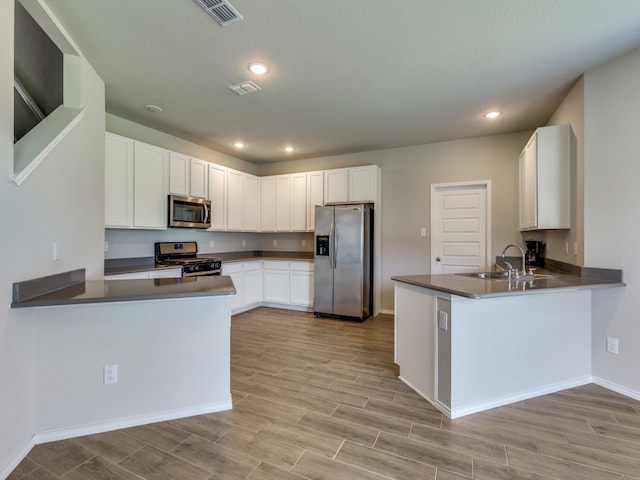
(301, 266)
(276, 265)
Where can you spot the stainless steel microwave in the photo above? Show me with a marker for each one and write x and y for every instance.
(189, 212)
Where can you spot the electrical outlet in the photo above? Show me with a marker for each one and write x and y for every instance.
(612, 345)
(244, 243)
(211, 243)
(106, 245)
(110, 374)
(56, 251)
(275, 243)
(443, 320)
(423, 232)
(304, 243)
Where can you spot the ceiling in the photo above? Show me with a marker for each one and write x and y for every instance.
(345, 75)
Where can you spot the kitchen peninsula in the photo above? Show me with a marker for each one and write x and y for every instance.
(168, 339)
(470, 344)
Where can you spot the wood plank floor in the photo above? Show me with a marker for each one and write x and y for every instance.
(319, 399)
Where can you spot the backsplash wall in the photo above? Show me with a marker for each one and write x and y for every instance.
(139, 243)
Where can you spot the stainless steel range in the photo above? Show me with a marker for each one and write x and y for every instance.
(186, 255)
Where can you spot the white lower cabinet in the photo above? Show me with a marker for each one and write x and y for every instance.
(301, 283)
(276, 282)
(272, 283)
(156, 273)
(288, 284)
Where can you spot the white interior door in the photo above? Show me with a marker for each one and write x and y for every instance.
(460, 227)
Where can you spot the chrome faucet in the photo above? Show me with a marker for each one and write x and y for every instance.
(524, 267)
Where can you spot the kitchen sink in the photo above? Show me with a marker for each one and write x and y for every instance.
(487, 275)
(500, 276)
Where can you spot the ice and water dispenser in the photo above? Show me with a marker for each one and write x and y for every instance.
(322, 245)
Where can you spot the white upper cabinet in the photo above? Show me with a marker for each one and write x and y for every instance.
(218, 196)
(118, 206)
(178, 174)
(150, 186)
(283, 203)
(251, 213)
(356, 184)
(235, 200)
(198, 178)
(545, 179)
(136, 184)
(315, 197)
(336, 186)
(268, 204)
(187, 176)
(299, 206)
(242, 201)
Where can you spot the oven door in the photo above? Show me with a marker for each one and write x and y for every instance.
(189, 212)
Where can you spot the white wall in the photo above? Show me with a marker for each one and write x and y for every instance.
(69, 180)
(612, 218)
(570, 111)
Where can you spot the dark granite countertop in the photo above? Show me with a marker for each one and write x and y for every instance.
(483, 288)
(117, 266)
(70, 288)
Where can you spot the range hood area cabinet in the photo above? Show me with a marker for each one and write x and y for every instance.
(545, 182)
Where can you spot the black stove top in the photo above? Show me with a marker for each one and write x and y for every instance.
(186, 255)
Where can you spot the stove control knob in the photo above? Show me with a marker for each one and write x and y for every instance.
(196, 268)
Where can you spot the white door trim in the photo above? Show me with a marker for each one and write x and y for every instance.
(435, 187)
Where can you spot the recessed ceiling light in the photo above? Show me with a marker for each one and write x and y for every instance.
(494, 114)
(238, 145)
(258, 68)
(288, 149)
(153, 108)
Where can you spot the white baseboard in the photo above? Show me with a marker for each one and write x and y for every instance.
(627, 392)
(386, 312)
(80, 431)
(22, 453)
(518, 397)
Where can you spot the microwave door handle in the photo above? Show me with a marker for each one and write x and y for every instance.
(205, 214)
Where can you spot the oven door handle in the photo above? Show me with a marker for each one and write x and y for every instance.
(202, 274)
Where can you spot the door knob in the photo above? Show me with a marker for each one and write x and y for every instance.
(437, 259)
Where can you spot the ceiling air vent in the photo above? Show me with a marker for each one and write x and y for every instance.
(245, 87)
(221, 10)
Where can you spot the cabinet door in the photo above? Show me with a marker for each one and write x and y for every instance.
(363, 184)
(268, 204)
(301, 281)
(283, 203)
(315, 197)
(252, 281)
(336, 186)
(276, 282)
(178, 174)
(235, 200)
(299, 202)
(198, 176)
(234, 270)
(250, 220)
(150, 186)
(528, 186)
(118, 207)
(218, 196)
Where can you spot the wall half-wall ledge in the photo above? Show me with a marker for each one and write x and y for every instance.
(34, 147)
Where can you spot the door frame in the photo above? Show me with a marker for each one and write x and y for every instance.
(439, 187)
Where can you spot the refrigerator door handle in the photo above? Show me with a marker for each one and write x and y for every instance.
(332, 246)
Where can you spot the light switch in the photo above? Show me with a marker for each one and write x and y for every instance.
(423, 232)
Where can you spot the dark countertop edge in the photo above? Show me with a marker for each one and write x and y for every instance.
(556, 266)
(37, 287)
(65, 296)
(115, 266)
(542, 291)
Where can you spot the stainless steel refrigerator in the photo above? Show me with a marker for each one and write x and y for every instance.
(343, 260)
